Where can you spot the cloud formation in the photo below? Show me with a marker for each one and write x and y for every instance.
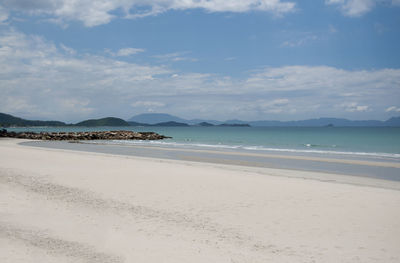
(42, 80)
(356, 8)
(3, 15)
(39, 78)
(393, 109)
(124, 52)
(353, 7)
(175, 57)
(354, 107)
(300, 41)
(97, 12)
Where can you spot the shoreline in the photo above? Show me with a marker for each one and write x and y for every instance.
(276, 156)
(62, 205)
(367, 167)
(344, 141)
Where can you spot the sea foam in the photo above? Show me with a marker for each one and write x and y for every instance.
(220, 146)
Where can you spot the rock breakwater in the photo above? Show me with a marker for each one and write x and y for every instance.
(84, 136)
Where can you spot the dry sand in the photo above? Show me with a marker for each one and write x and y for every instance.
(66, 206)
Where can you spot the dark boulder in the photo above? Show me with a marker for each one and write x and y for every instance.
(95, 135)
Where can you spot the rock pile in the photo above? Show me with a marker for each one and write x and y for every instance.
(76, 136)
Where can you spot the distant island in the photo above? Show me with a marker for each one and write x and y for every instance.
(161, 124)
(234, 125)
(166, 120)
(154, 118)
(7, 120)
(109, 121)
(205, 124)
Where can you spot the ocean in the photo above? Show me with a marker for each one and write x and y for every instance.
(378, 142)
(372, 152)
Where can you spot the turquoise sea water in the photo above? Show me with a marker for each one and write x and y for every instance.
(362, 141)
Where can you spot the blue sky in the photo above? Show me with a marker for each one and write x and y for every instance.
(249, 59)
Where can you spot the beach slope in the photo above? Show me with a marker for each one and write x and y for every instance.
(67, 206)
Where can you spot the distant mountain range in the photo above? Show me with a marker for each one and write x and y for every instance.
(166, 120)
(7, 120)
(153, 118)
(160, 124)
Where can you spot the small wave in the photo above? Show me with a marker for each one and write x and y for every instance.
(372, 154)
(310, 145)
(176, 144)
(248, 148)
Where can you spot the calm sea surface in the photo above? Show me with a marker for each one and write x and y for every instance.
(362, 141)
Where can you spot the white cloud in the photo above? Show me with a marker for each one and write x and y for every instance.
(325, 79)
(97, 12)
(175, 57)
(128, 51)
(356, 8)
(328, 86)
(3, 15)
(147, 104)
(300, 41)
(354, 107)
(380, 28)
(332, 29)
(47, 81)
(274, 106)
(353, 7)
(280, 102)
(69, 50)
(76, 105)
(44, 80)
(393, 109)
(230, 58)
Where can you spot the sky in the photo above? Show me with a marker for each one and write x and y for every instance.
(71, 60)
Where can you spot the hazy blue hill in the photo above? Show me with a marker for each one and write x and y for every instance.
(235, 122)
(161, 119)
(267, 123)
(7, 120)
(109, 121)
(235, 125)
(198, 121)
(154, 118)
(204, 124)
(395, 121)
(319, 123)
(171, 124)
(160, 124)
(137, 124)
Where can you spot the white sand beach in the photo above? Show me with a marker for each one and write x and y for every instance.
(69, 206)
